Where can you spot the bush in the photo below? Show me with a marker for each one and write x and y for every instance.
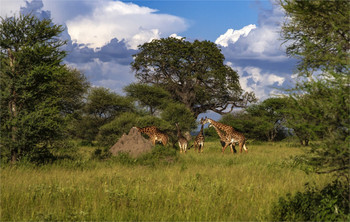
(329, 204)
(111, 132)
(101, 154)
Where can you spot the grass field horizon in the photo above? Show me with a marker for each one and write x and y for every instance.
(210, 186)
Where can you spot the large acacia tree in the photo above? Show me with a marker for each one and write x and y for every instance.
(193, 73)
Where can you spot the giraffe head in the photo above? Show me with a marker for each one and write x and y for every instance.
(206, 120)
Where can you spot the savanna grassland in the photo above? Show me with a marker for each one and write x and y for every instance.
(205, 187)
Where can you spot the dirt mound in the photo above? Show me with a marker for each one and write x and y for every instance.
(133, 143)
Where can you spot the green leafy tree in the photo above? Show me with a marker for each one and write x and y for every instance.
(271, 116)
(152, 97)
(193, 73)
(179, 113)
(72, 90)
(101, 107)
(317, 32)
(34, 96)
(303, 115)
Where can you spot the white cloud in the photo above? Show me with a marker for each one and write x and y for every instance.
(232, 36)
(115, 19)
(107, 74)
(259, 56)
(174, 35)
(10, 7)
(142, 37)
(64, 10)
(254, 79)
(261, 42)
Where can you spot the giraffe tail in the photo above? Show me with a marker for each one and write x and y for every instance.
(245, 148)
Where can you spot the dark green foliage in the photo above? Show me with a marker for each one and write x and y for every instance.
(105, 105)
(179, 113)
(152, 97)
(192, 72)
(270, 117)
(210, 134)
(72, 88)
(35, 98)
(318, 33)
(101, 107)
(101, 154)
(328, 204)
(112, 131)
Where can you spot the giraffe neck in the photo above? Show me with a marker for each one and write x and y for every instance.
(178, 131)
(220, 126)
(221, 135)
(201, 132)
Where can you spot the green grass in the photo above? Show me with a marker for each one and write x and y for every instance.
(208, 187)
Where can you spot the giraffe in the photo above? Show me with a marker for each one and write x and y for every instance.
(229, 135)
(199, 140)
(155, 135)
(182, 140)
(224, 139)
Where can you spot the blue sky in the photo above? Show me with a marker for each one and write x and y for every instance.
(104, 34)
(209, 19)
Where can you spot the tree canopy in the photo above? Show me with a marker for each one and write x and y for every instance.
(35, 98)
(318, 32)
(193, 73)
(151, 97)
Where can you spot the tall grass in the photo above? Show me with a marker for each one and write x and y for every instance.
(206, 187)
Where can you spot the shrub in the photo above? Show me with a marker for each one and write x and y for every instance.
(328, 204)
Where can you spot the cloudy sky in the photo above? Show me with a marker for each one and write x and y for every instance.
(104, 34)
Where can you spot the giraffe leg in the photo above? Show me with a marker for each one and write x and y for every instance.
(240, 147)
(231, 146)
(224, 148)
(234, 147)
